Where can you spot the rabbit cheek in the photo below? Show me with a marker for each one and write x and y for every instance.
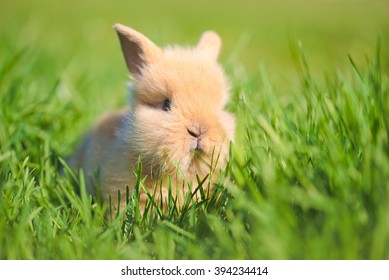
(229, 124)
(149, 132)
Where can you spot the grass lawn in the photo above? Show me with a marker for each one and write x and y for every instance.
(309, 174)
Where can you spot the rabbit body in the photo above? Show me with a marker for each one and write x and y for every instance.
(177, 124)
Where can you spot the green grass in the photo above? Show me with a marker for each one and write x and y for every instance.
(309, 175)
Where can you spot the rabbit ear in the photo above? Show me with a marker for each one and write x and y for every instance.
(137, 49)
(210, 43)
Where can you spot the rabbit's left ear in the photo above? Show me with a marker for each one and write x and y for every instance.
(139, 52)
(210, 43)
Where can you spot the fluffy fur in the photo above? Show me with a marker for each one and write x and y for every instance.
(188, 133)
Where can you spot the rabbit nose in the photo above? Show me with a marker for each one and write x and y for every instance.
(194, 133)
(194, 130)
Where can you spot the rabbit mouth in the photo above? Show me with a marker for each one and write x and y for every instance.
(196, 146)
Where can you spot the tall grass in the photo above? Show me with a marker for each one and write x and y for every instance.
(308, 178)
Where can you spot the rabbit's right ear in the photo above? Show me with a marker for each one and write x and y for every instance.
(210, 44)
(137, 49)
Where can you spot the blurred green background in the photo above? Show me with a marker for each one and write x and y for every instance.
(253, 31)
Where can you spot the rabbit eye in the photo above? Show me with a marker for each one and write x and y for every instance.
(166, 105)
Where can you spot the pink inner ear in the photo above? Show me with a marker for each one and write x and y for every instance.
(133, 55)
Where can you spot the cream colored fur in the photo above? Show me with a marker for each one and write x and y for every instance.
(194, 129)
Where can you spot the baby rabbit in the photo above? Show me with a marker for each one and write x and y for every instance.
(177, 125)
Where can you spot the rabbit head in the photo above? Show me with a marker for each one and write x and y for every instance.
(178, 116)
